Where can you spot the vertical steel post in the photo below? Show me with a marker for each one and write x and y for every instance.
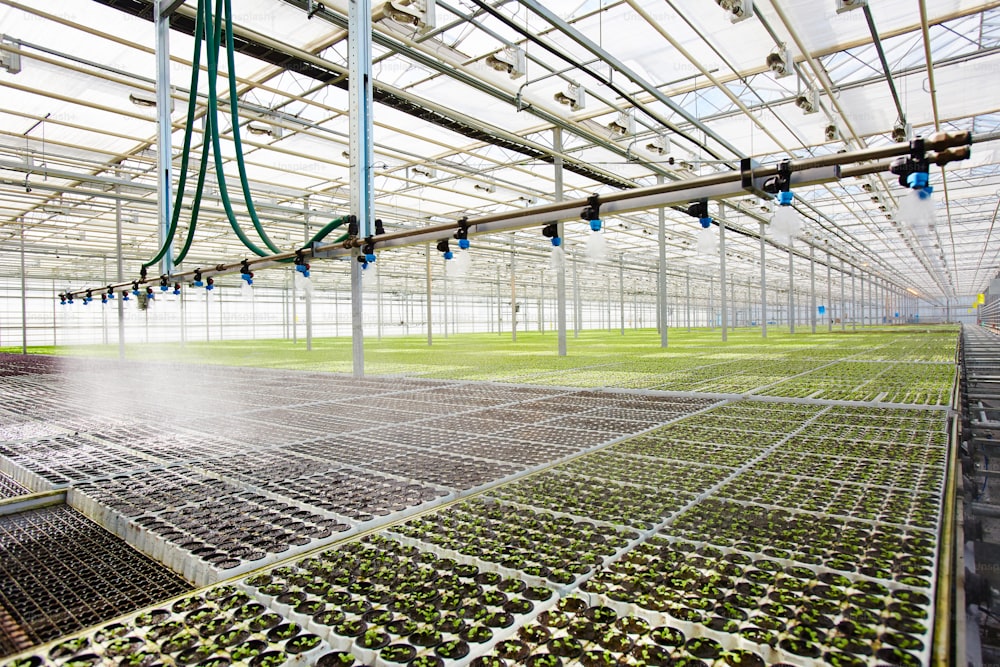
(791, 286)
(360, 92)
(812, 287)
(854, 301)
(621, 291)
(164, 130)
(120, 269)
(513, 292)
(430, 305)
(843, 303)
(763, 283)
(687, 283)
(829, 296)
(722, 275)
(577, 306)
(661, 273)
(24, 298)
(561, 270)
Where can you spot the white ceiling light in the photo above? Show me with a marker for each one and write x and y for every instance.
(574, 97)
(509, 59)
(142, 98)
(739, 10)
(659, 144)
(624, 125)
(9, 60)
(419, 13)
(808, 101)
(780, 62)
(848, 5)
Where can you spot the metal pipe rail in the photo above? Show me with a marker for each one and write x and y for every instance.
(809, 171)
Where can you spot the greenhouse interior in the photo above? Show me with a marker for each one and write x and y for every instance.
(499, 333)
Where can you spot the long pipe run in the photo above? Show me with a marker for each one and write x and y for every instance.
(809, 171)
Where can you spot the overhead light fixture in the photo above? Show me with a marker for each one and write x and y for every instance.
(848, 5)
(509, 59)
(423, 170)
(10, 60)
(808, 101)
(739, 10)
(624, 125)
(660, 144)
(574, 96)
(260, 128)
(901, 131)
(142, 98)
(418, 13)
(780, 62)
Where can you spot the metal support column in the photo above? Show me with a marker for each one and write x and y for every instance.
(360, 91)
(791, 287)
(843, 303)
(829, 296)
(722, 275)
(444, 298)
(120, 272)
(513, 292)
(711, 303)
(577, 306)
(763, 283)
(854, 302)
(162, 9)
(621, 291)
(378, 297)
(24, 298)
(687, 302)
(430, 303)
(307, 293)
(812, 288)
(561, 269)
(661, 273)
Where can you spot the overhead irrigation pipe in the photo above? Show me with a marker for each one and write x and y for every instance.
(950, 147)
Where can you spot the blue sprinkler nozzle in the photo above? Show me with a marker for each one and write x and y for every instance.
(104, 298)
(125, 295)
(177, 289)
(369, 257)
(918, 179)
(164, 288)
(210, 284)
(705, 222)
(449, 254)
(70, 300)
(595, 225)
(248, 277)
(198, 283)
(556, 241)
(303, 269)
(786, 198)
(463, 244)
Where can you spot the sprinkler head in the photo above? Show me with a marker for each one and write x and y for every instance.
(210, 284)
(595, 225)
(551, 231)
(445, 249)
(463, 244)
(125, 295)
(177, 289)
(786, 198)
